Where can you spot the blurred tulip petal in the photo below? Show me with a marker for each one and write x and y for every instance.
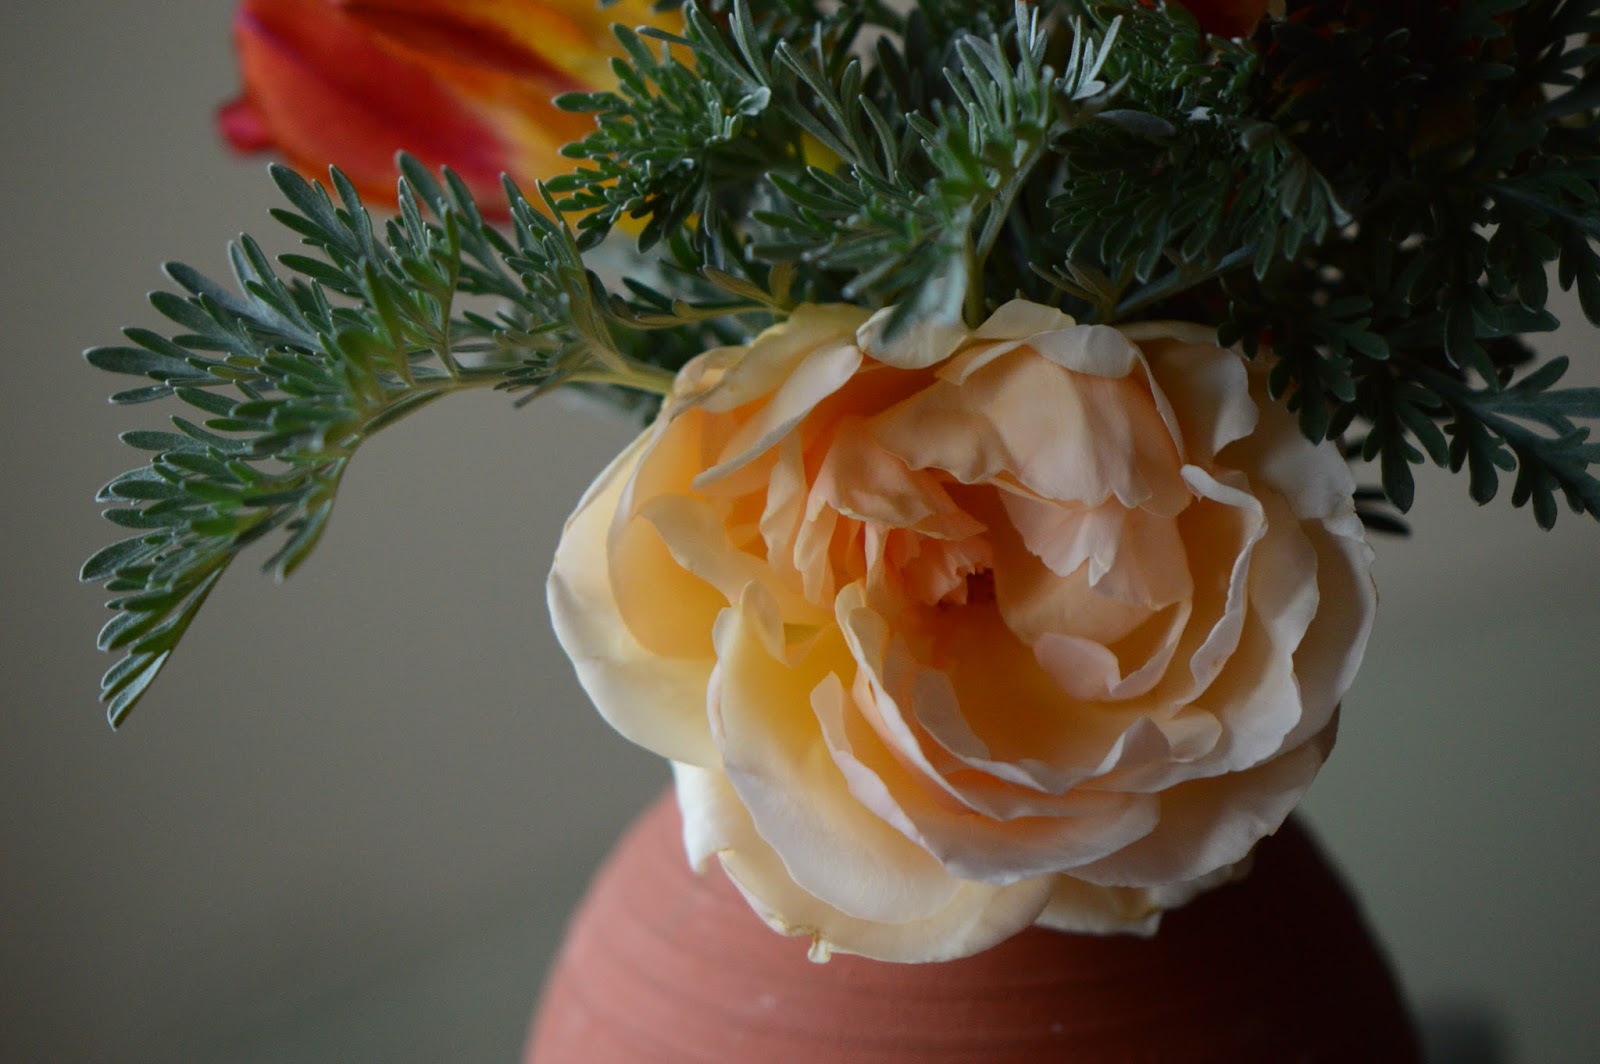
(461, 83)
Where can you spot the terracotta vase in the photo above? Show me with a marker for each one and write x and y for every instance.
(663, 966)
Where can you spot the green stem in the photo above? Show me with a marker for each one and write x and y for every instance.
(639, 376)
(999, 208)
(1180, 279)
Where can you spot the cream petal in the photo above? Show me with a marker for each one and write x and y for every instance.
(1223, 636)
(1010, 721)
(820, 374)
(1066, 537)
(1015, 325)
(1036, 603)
(1314, 478)
(668, 610)
(1080, 908)
(1257, 701)
(917, 344)
(1091, 672)
(657, 702)
(887, 771)
(1094, 350)
(1132, 555)
(700, 376)
(908, 567)
(1048, 744)
(976, 916)
(773, 752)
(1258, 697)
(1020, 318)
(713, 819)
(698, 542)
(1078, 829)
(1211, 824)
(1061, 435)
(1260, 694)
(1254, 696)
(811, 550)
(770, 360)
(866, 483)
(784, 510)
(976, 356)
(1209, 391)
(1326, 661)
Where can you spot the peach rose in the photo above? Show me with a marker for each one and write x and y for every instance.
(962, 631)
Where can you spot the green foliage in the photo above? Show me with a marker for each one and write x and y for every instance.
(917, 211)
(672, 142)
(290, 376)
(1182, 175)
(1463, 145)
(1369, 195)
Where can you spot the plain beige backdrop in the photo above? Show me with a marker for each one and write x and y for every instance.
(347, 824)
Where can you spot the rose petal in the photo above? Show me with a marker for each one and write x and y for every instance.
(915, 345)
(1042, 622)
(654, 700)
(1094, 350)
(813, 379)
(667, 609)
(700, 545)
(1021, 318)
(1228, 531)
(976, 916)
(769, 360)
(1314, 478)
(1328, 657)
(773, 751)
(1208, 391)
(1133, 556)
(1078, 907)
(867, 483)
(1062, 435)
(1079, 827)
(1210, 824)
(1091, 672)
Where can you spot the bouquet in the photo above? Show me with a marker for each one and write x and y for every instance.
(1021, 384)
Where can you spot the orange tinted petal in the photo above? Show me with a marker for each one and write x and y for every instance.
(463, 83)
(569, 36)
(326, 90)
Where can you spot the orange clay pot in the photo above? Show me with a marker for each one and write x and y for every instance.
(666, 967)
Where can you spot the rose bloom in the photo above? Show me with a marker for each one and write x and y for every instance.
(461, 83)
(950, 633)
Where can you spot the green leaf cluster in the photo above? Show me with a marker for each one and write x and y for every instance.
(290, 371)
(1461, 139)
(1370, 196)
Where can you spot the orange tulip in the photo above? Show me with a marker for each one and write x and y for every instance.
(463, 83)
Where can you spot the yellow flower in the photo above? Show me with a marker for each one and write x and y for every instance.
(956, 633)
(463, 83)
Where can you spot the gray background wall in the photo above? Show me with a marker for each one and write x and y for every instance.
(349, 822)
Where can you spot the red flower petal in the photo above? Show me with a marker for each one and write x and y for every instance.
(463, 83)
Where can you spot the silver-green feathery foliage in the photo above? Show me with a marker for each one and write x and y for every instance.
(1372, 192)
